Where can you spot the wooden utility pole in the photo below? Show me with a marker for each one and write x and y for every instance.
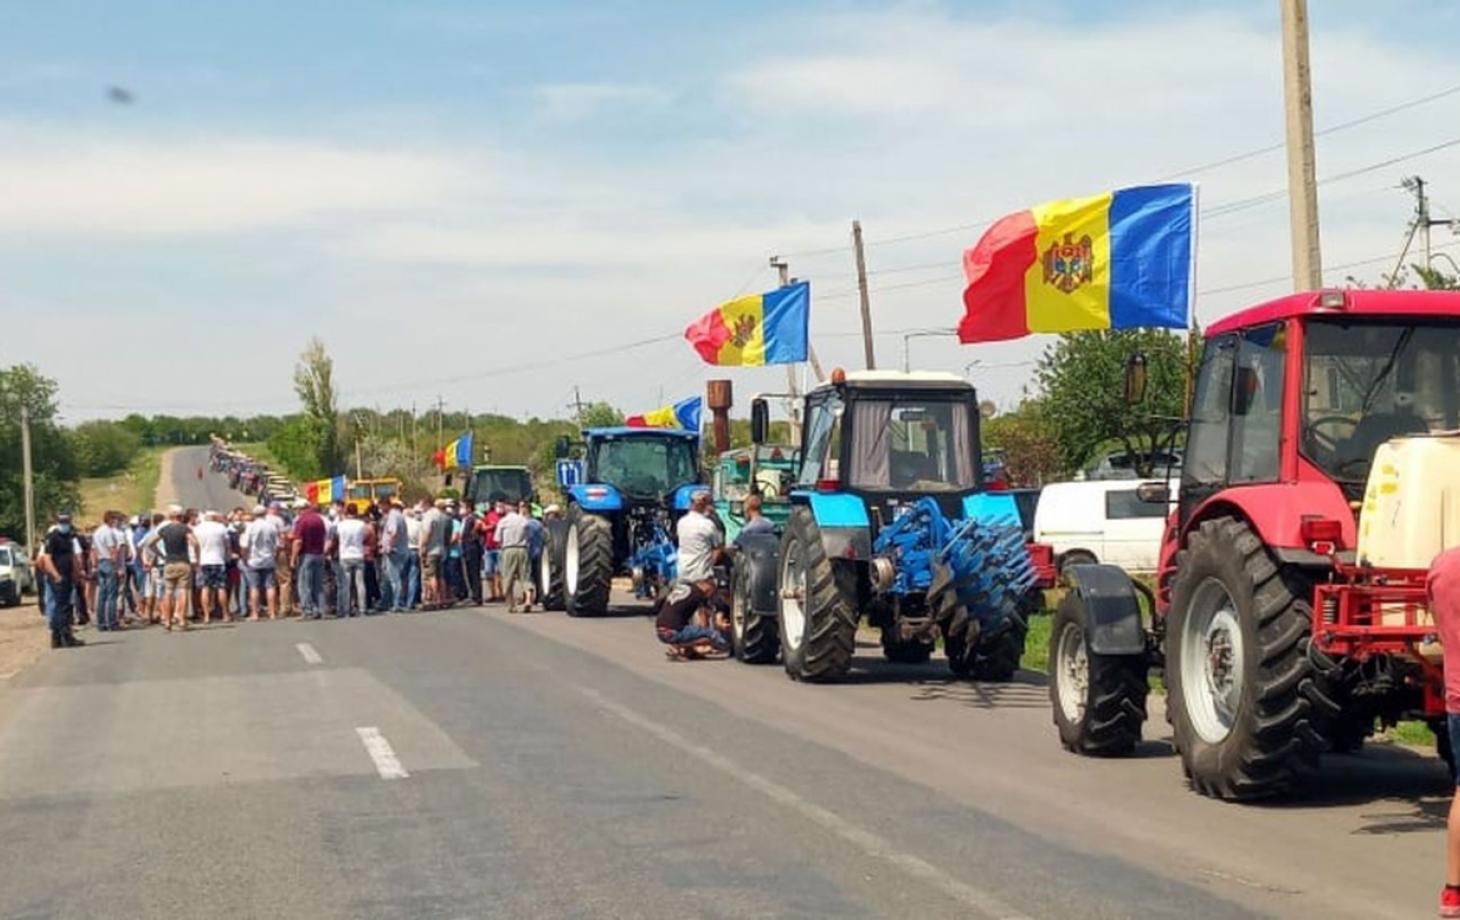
(28, 481)
(1302, 168)
(862, 290)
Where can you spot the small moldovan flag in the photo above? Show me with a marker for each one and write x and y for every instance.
(1120, 260)
(768, 328)
(683, 414)
(457, 454)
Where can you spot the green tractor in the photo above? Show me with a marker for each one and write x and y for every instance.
(496, 483)
(767, 470)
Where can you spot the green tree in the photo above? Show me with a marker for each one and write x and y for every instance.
(104, 448)
(601, 415)
(1029, 442)
(1083, 394)
(314, 382)
(295, 446)
(52, 459)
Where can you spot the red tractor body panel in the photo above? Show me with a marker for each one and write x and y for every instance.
(1354, 303)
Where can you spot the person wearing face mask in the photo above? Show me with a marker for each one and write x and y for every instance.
(59, 563)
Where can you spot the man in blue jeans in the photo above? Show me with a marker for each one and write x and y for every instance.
(395, 550)
(60, 567)
(310, 534)
(106, 553)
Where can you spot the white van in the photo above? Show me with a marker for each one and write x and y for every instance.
(1101, 521)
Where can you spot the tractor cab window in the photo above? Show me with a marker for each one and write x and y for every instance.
(1257, 404)
(502, 485)
(1368, 381)
(823, 442)
(1205, 463)
(645, 467)
(912, 445)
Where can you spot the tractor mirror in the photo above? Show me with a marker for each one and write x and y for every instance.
(1154, 493)
(1135, 379)
(760, 420)
(562, 447)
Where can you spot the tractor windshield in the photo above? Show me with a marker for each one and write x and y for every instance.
(644, 466)
(503, 485)
(1369, 381)
(914, 444)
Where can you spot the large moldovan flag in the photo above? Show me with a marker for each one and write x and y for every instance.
(769, 328)
(1121, 260)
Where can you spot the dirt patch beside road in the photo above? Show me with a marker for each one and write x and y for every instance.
(23, 636)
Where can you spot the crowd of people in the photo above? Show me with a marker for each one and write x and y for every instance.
(295, 560)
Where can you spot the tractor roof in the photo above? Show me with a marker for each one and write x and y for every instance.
(627, 432)
(1344, 302)
(891, 380)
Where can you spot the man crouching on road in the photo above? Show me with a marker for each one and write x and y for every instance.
(681, 624)
(1444, 595)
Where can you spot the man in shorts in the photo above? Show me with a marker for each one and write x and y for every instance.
(1443, 587)
(178, 546)
(435, 531)
(212, 536)
(260, 547)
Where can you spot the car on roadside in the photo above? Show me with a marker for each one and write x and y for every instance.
(17, 577)
(1101, 521)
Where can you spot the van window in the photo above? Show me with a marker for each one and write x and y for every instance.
(1124, 504)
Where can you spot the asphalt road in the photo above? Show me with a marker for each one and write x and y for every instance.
(472, 763)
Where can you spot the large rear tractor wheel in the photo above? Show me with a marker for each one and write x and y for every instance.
(550, 566)
(587, 565)
(997, 653)
(755, 635)
(1239, 681)
(817, 613)
(905, 651)
(1099, 701)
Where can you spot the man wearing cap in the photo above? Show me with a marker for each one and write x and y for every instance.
(512, 537)
(260, 547)
(106, 554)
(58, 562)
(394, 551)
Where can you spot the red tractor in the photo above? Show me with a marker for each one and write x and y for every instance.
(1321, 476)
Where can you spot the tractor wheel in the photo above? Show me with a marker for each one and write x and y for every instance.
(1443, 749)
(550, 565)
(755, 634)
(1235, 666)
(587, 565)
(1347, 733)
(905, 651)
(1099, 701)
(997, 653)
(817, 611)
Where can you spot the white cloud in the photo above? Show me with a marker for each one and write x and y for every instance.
(577, 101)
(74, 182)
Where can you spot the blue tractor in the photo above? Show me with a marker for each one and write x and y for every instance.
(889, 520)
(629, 489)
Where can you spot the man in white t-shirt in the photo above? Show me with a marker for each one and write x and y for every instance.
(105, 549)
(350, 537)
(260, 546)
(212, 536)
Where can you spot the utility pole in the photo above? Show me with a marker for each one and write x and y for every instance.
(1302, 168)
(413, 431)
(577, 405)
(1422, 220)
(862, 290)
(440, 419)
(28, 480)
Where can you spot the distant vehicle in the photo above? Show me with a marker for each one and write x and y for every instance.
(17, 578)
(371, 490)
(771, 469)
(1101, 521)
(1118, 465)
(490, 483)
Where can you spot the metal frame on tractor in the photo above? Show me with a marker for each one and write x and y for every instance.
(1295, 660)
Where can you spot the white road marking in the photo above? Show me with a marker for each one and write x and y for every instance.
(869, 843)
(310, 655)
(386, 763)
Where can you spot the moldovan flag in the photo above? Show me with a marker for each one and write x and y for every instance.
(768, 328)
(456, 454)
(1121, 260)
(325, 490)
(683, 414)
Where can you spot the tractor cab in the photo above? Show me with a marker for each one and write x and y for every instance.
(490, 484)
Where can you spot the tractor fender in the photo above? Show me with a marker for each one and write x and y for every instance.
(683, 495)
(1276, 512)
(846, 528)
(1112, 609)
(760, 556)
(596, 497)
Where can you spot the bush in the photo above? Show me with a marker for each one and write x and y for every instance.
(104, 448)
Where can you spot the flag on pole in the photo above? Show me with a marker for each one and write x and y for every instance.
(323, 491)
(769, 328)
(457, 454)
(683, 414)
(1121, 260)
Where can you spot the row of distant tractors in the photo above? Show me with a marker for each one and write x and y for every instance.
(1288, 619)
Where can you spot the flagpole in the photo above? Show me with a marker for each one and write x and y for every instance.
(1191, 339)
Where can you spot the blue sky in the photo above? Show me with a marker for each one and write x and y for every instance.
(444, 191)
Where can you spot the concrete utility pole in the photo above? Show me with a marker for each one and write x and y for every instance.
(1422, 219)
(862, 290)
(28, 481)
(1302, 166)
(440, 420)
(577, 404)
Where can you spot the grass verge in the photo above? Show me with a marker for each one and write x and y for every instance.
(130, 491)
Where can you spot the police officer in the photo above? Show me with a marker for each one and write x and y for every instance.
(60, 562)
